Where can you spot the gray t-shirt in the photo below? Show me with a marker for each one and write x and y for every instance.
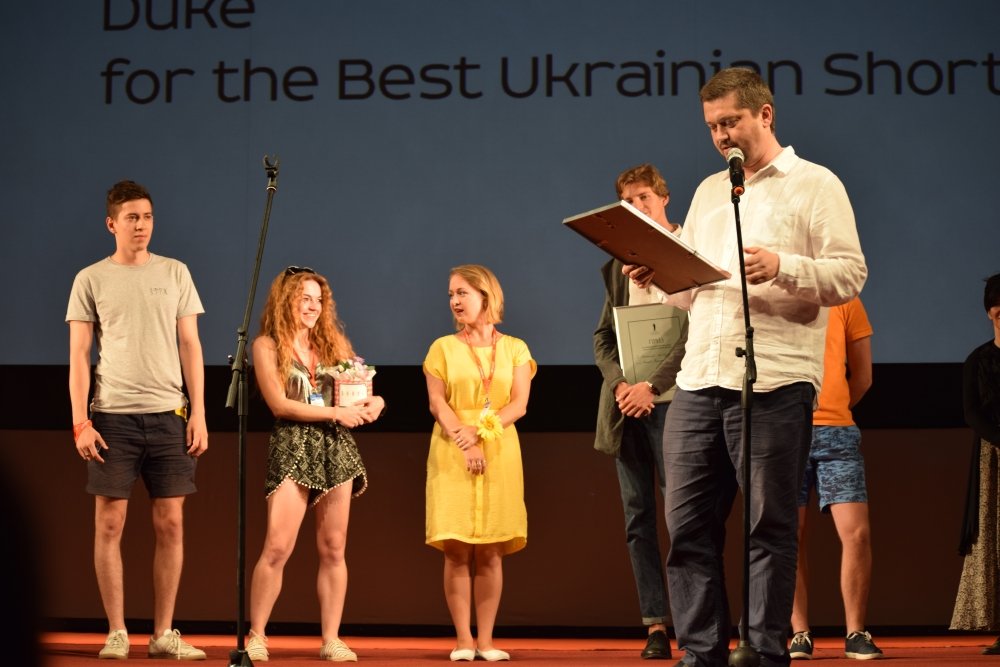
(135, 311)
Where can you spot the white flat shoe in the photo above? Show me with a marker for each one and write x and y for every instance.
(463, 655)
(492, 655)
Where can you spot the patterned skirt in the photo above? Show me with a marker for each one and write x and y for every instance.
(977, 605)
(318, 456)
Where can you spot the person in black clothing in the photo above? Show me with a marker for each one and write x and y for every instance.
(977, 605)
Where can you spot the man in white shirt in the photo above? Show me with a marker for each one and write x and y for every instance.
(802, 255)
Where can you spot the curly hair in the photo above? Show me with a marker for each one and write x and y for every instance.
(644, 174)
(280, 321)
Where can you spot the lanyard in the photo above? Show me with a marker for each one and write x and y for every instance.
(487, 381)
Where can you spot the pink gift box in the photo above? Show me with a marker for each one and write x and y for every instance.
(347, 393)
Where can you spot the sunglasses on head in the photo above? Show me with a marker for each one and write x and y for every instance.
(292, 270)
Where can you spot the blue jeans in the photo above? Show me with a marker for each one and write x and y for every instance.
(640, 471)
(703, 459)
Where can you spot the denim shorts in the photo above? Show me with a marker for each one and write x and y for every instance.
(151, 445)
(835, 467)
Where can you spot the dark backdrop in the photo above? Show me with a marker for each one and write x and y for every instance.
(575, 571)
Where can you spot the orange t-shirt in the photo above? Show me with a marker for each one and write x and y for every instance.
(848, 323)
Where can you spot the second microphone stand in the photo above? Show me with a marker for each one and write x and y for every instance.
(238, 398)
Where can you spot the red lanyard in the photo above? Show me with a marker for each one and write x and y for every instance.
(487, 381)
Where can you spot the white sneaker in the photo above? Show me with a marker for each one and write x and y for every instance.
(115, 646)
(169, 645)
(257, 647)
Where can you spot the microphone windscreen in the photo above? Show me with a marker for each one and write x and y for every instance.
(734, 153)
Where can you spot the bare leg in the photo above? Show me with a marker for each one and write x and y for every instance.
(851, 520)
(168, 559)
(488, 587)
(109, 522)
(458, 557)
(332, 515)
(286, 508)
(800, 603)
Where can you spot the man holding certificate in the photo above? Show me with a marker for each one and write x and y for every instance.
(638, 346)
(802, 255)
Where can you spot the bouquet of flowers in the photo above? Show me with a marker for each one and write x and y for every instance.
(353, 370)
(352, 381)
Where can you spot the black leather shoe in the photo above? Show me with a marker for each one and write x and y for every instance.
(657, 646)
(993, 649)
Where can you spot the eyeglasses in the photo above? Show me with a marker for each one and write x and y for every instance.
(292, 270)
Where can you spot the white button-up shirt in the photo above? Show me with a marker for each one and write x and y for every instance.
(800, 211)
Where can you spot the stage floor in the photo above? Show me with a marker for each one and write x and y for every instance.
(66, 649)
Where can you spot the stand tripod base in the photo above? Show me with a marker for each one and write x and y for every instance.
(744, 656)
(238, 658)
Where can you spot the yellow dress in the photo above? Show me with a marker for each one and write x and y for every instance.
(476, 509)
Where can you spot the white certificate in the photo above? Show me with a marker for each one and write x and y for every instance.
(646, 335)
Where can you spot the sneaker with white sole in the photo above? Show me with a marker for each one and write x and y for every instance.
(170, 646)
(859, 646)
(257, 647)
(115, 646)
(801, 647)
(337, 651)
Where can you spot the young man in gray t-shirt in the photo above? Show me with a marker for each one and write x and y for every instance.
(142, 309)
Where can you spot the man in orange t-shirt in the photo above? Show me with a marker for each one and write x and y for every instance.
(836, 469)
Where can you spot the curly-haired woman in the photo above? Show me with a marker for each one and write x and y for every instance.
(312, 457)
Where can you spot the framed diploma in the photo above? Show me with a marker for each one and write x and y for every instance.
(631, 236)
(646, 335)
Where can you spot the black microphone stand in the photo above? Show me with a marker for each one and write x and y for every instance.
(744, 655)
(237, 398)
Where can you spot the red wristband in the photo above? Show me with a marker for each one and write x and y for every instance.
(78, 429)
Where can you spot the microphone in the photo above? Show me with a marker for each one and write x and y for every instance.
(734, 156)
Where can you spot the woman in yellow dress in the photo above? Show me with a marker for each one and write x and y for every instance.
(477, 382)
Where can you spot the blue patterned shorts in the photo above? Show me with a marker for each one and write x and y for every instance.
(835, 467)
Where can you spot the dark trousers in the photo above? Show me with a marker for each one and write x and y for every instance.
(703, 460)
(640, 472)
